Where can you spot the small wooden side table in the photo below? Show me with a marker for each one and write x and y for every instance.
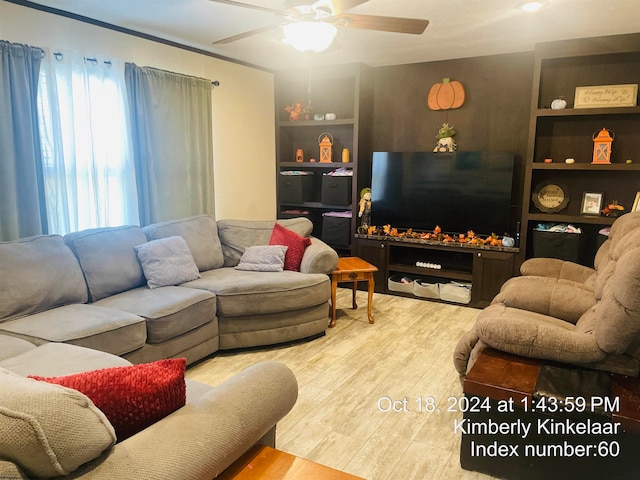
(352, 269)
(262, 462)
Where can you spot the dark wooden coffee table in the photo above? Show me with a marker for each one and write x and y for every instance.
(352, 269)
(262, 462)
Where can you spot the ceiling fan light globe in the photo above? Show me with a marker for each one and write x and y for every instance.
(531, 6)
(309, 36)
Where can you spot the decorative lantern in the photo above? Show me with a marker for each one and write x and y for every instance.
(325, 141)
(602, 146)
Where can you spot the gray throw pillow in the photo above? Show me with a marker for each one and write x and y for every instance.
(263, 258)
(167, 261)
(49, 430)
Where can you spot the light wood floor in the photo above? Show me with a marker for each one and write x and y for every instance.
(346, 377)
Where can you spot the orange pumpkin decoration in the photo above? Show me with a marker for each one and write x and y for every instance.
(446, 95)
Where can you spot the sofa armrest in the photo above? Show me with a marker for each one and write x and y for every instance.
(532, 335)
(558, 298)
(556, 268)
(204, 437)
(319, 258)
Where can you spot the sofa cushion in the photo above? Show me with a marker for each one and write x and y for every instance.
(49, 430)
(559, 298)
(91, 326)
(11, 347)
(108, 258)
(263, 258)
(166, 261)
(36, 274)
(168, 311)
(132, 397)
(240, 293)
(535, 335)
(52, 359)
(296, 246)
(200, 233)
(237, 235)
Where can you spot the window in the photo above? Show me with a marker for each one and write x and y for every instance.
(87, 158)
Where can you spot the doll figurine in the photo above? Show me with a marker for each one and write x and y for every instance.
(365, 209)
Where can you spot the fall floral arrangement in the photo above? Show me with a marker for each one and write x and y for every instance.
(614, 209)
(298, 111)
(470, 237)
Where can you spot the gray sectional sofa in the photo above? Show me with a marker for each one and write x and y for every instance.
(198, 441)
(81, 303)
(88, 289)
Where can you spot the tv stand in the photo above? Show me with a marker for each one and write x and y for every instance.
(485, 267)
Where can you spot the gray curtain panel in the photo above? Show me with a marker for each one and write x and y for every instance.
(22, 211)
(171, 127)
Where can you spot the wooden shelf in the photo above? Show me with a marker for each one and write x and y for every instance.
(559, 218)
(579, 112)
(305, 165)
(618, 167)
(316, 123)
(431, 272)
(316, 205)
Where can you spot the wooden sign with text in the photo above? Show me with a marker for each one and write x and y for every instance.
(601, 96)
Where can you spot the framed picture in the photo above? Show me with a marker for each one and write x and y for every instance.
(636, 203)
(591, 203)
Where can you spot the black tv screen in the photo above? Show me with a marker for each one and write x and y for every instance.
(458, 191)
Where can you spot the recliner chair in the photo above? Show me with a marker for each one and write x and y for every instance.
(566, 312)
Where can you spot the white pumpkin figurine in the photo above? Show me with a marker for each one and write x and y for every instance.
(559, 103)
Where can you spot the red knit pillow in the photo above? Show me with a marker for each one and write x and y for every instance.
(297, 245)
(131, 397)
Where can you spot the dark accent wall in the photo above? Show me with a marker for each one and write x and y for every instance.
(494, 117)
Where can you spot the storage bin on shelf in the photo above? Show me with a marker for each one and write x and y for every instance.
(336, 188)
(336, 228)
(293, 213)
(296, 186)
(426, 288)
(564, 245)
(456, 292)
(401, 282)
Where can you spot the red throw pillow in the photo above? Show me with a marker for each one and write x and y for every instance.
(297, 245)
(131, 397)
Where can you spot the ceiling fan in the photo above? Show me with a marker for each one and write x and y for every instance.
(323, 16)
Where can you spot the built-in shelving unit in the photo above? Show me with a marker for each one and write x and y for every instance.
(560, 67)
(346, 92)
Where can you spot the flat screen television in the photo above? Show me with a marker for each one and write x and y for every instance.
(458, 191)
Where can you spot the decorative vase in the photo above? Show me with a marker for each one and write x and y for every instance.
(559, 103)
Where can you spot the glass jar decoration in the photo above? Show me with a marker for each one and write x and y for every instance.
(559, 103)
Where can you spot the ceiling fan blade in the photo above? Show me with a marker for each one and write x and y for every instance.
(338, 6)
(413, 26)
(240, 36)
(253, 7)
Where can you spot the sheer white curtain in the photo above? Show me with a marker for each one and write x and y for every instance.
(87, 156)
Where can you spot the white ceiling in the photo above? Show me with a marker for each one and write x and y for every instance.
(457, 29)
